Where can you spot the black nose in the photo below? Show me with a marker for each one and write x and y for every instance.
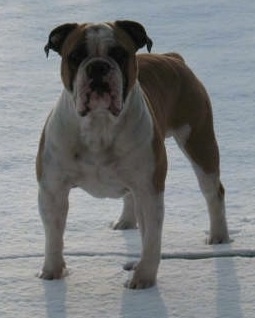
(98, 69)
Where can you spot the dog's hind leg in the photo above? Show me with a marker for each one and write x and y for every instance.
(214, 192)
(127, 220)
(200, 147)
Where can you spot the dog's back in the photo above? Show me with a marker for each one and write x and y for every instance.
(176, 95)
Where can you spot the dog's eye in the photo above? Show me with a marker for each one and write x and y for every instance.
(77, 56)
(119, 54)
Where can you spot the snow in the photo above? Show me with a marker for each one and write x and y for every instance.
(217, 40)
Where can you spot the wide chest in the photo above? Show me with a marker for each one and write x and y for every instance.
(100, 177)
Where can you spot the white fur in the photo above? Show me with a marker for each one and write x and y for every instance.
(181, 135)
(99, 38)
(209, 185)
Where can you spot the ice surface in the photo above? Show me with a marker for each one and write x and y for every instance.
(217, 40)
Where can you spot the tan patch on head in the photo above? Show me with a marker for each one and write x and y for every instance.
(123, 39)
(68, 72)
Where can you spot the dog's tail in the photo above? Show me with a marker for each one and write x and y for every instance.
(176, 56)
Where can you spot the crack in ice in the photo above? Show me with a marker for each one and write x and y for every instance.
(244, 253)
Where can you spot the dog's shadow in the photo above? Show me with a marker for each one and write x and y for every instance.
(228, 289)
(141, 303)
(134, 303)
(55, 298)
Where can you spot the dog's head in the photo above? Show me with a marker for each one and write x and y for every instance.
(98, 62)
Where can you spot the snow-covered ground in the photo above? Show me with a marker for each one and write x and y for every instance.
(217, 40)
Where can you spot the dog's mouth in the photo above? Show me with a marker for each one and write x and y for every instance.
(100, 93)
(100, 97)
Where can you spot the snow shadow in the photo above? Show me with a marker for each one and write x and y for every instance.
(55, 298)
(228, 297)
(147, 302)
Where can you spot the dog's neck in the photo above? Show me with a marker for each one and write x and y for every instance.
(97, 131)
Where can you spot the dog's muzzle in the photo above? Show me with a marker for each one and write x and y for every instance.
(96, 70)
(96, 73)
(99, 88)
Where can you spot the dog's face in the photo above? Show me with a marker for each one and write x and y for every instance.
(98, 62)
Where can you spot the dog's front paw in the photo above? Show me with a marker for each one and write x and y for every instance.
(56, 273)
(141, 279)
(140, 283)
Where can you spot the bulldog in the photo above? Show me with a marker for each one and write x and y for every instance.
(106, 135)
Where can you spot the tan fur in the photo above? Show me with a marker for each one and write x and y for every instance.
(124, 40)
(39, 165)
(159, 153)
(76, 36)
(178, 98)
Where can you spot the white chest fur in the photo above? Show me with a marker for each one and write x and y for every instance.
(100, 174)
(100, 153)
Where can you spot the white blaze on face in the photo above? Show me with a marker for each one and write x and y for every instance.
(99, 38)
(103, 94)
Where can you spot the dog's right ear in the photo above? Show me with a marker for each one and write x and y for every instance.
(57, 37)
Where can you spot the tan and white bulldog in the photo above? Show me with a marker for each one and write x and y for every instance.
(106, 136)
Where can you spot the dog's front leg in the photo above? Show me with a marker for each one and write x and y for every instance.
(150, 213)
(53, 207)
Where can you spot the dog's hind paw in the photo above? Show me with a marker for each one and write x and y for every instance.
(130, 266)
(218, 239)
(123, 225)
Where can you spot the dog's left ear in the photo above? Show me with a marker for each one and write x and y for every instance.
(137, 32)
(57, 37)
